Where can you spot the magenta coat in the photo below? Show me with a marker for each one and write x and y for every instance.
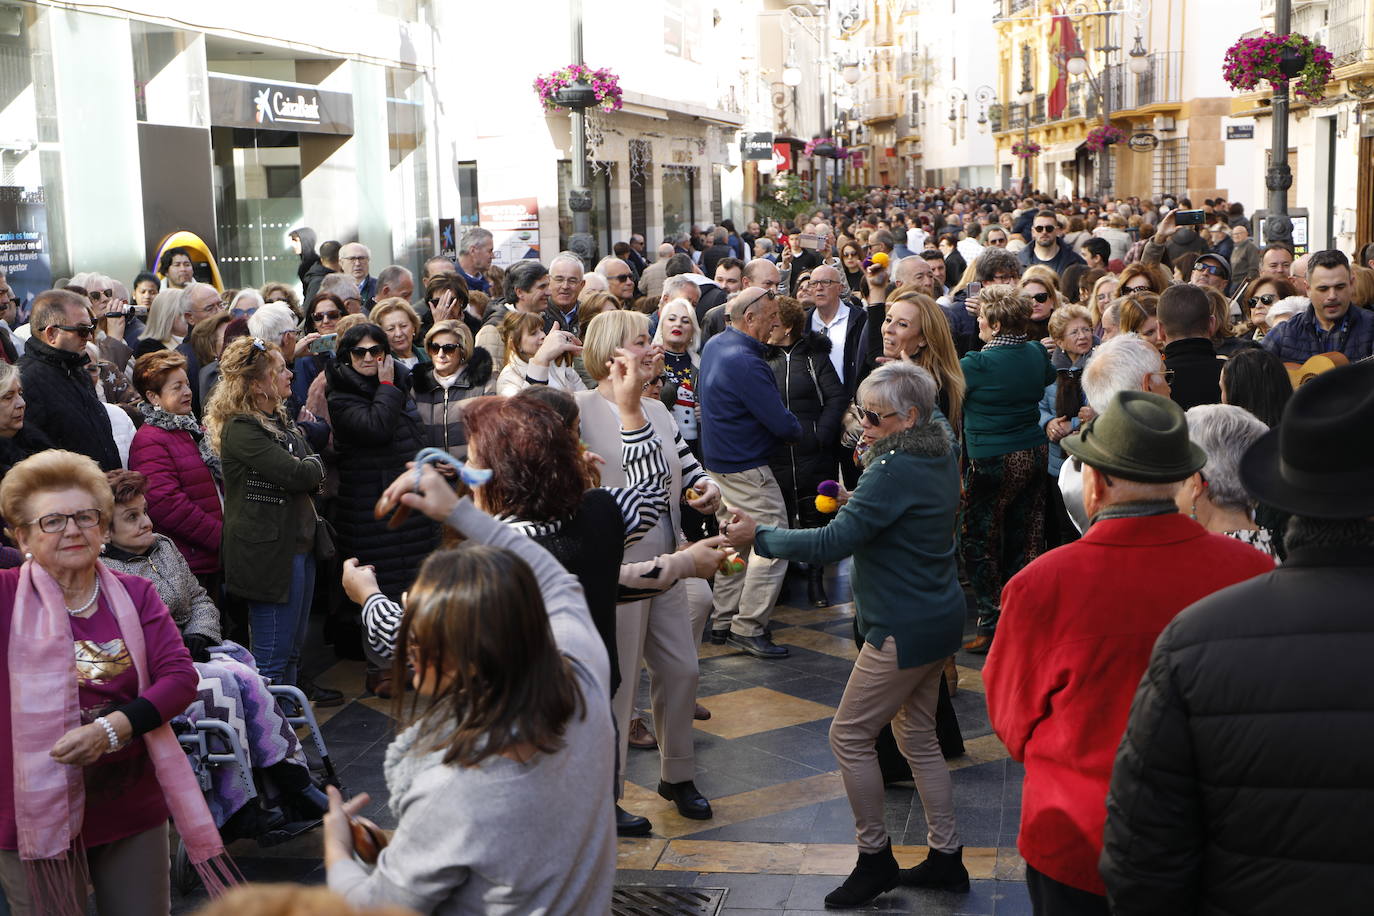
(183, 501)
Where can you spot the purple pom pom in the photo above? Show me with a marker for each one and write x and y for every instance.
(829, 488)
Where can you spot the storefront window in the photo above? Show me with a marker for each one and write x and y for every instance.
(257, 203)
(32, 239)
(169, 75)
(679, 200)
(413, 230)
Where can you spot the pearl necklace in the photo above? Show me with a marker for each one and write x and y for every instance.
(76, 612)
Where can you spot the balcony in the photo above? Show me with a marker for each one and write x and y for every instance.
(1016, 117)
(1159, 84)
(1074, 108)
(1347, 41)
(881, 108)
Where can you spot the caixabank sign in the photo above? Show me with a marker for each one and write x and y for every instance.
(266, 105)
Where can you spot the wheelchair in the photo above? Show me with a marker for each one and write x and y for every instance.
(211, 743)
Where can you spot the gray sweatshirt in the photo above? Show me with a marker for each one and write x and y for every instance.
(506, 837)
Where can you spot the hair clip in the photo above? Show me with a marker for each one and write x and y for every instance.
(258, 343)
(473, 477)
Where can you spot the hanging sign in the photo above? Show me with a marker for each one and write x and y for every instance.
(1143, 142)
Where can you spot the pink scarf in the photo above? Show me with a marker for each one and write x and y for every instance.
(50, 798)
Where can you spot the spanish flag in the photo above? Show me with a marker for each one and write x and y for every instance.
(1063, 43)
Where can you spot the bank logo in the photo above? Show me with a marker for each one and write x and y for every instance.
(263, 102)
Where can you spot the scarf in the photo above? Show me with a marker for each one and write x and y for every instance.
(50, 799)
(156, 416)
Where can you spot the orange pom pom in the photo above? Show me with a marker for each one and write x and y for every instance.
(827, 504)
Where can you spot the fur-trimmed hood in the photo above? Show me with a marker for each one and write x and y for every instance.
(931, 439)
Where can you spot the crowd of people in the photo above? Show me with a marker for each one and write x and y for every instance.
(510, 490)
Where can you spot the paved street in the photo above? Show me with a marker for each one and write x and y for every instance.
(782, 836)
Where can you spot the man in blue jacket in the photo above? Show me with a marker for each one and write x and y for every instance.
(743, 422)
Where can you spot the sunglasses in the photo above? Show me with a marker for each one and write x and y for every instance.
(1266, 299)
(997, 241)
(620, 278)
(1041, 298)
(872, 417)
(1212, 269)
(363, 352)
(326, 316)
(96, 295)
(443, 347)
(1044, 228)
(1127, 290)
(82, 330)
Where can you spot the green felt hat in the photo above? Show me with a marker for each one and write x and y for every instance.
(1140, 436)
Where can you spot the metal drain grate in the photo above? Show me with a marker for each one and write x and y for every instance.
(641, 900)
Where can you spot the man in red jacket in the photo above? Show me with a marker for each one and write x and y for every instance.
(1077, 628)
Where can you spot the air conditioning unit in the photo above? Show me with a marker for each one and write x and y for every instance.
(1164, 124)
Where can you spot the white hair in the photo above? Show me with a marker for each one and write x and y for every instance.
(900, 386)
(1286, 308)
(1120, 364)
(1225, 432)
(272, 321)
(696, 328)
(247, 299)
(675, 283)
(593, 282)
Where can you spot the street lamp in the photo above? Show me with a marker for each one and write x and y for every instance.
(1139, 64)
(1077, 63)
(849, 72)
(1027, 93)
(791, 76)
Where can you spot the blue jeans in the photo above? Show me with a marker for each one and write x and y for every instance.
(278, 630)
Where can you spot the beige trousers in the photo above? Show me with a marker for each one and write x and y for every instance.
(879, 692)
(744, 601)
(131, 877)
(658, 632)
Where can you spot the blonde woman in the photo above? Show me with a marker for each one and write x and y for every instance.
(536, 358)
(270, 473)
(401, 325)
(166, 326)
(1104, 291)
(915, 328)
(1137, 312)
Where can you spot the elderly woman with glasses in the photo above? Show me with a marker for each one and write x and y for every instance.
(456, 371)
(270, 473)
(899, 527)
(89, 769)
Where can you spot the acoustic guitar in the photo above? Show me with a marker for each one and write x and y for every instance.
(1302, 373)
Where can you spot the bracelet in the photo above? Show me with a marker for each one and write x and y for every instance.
(109, 732)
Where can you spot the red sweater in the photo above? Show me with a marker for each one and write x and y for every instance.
(1073, 641)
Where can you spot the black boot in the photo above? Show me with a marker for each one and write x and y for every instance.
(815, 586)
(876, 873)
(941, 871)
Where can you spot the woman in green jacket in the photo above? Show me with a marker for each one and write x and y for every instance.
(270, 474)
(899, 526)
(1008, 454)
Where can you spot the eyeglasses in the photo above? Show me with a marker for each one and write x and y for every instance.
(620, 278)
(1266, 299)
(357, 257)
(443, 347)
(1212, 269)
(825, 282)
(1127, 290)
(364, 352)
(872, 417)
(1041, 298)
(56, 522)
(82, 330)
(1044, 228)
(96, 295)
(319, 317)
(1166, 374)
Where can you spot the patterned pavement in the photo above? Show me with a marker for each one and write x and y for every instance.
(782, 836)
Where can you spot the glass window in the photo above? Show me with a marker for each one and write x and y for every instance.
(601, 181)
(257, 203)
(679, 200)
(467, 193)
(413, 231)
(170, 82)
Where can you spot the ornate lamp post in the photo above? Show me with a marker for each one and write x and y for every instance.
(577, 99)
(1277, 226)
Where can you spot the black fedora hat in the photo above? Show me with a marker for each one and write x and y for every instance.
(1319, 463)
(1140, 436)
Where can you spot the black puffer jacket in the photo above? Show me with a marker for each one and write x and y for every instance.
(440, 408)
(1245, 780)
(812, 390)
(62, 404)
(376, 431)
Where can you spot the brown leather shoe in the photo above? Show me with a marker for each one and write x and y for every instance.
(379, 683)
(951, 676)
(701, 713)
(978, 645)
(640, 736)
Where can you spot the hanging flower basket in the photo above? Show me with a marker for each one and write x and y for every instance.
(828, 147)
(577, 87)
(1025, 149)
(1103, 136)
(1293, 58)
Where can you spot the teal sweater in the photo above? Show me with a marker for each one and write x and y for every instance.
(1002, 398)
(899, 527)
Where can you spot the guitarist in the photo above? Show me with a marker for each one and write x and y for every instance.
(1329, 324)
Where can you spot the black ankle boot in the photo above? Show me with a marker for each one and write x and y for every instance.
(876, 873)
(815, 586)
(943, 871)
